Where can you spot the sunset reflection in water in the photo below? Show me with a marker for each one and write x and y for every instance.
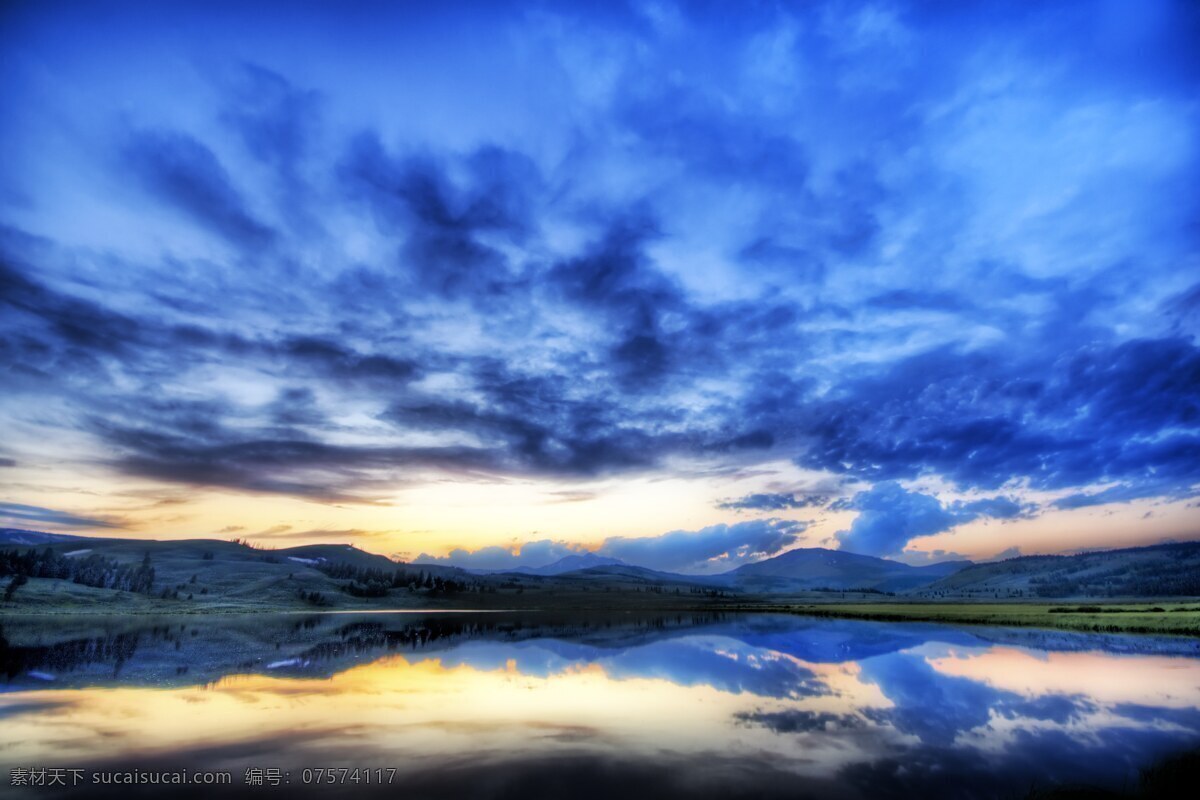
(841, 707)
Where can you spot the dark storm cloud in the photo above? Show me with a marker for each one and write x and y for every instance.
(185, 173)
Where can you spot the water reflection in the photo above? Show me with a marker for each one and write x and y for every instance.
(493, 705)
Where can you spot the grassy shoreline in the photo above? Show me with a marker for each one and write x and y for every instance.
(1165, 618)
(1139, 617)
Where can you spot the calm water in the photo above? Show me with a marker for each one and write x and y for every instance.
(491, 705)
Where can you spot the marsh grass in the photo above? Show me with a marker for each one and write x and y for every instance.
(1154, 618)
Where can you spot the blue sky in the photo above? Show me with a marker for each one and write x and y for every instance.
(913, 279)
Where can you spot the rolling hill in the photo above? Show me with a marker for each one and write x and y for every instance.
(818, 568)
(804, 569)
(72, 572)
(23, 538)
(76, 573)
(566, 564)
(1166, 570)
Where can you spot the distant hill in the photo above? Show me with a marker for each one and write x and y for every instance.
(576, 563)
(1167, 570)
(622, 570)
(318, 554)
(804, 569)
(23, 538)
(572, 563)
(810, 568)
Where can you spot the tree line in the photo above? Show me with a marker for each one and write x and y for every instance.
(91, 570)
(376, 582)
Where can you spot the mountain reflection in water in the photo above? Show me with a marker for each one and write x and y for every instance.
(493, 705)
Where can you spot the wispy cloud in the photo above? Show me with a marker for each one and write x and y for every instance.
(25, 515)
(773, 501)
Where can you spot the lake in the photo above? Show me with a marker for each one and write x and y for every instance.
(539, 705)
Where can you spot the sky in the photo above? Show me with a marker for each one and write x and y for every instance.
(685, 284)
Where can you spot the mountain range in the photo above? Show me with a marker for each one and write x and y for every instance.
(806, 568)
(211, 573)
(819, 568)
(565, 564)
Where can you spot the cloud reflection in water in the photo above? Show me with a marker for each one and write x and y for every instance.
(757, 704)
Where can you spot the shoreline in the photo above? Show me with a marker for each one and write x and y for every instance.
(1140, 618)
(1172, 618)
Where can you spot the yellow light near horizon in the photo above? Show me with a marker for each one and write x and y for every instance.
(412, 707)
(438, 515)
(1064, 531)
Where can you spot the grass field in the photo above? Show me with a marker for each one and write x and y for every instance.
(1158, 618)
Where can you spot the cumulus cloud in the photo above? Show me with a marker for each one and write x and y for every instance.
(529, 554)
(890, 517)
(717, 548)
